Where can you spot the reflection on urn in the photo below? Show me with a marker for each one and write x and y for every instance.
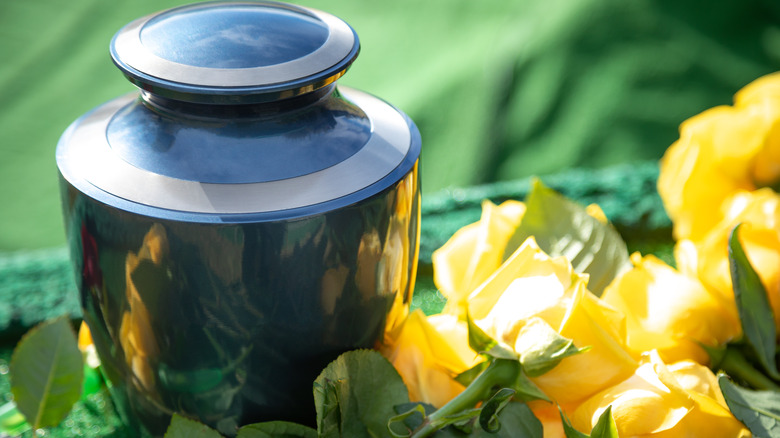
(231, 324)
(136, 335)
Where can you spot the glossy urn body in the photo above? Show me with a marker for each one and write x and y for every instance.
(242, 220)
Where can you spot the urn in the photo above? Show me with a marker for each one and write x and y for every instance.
(240, 220)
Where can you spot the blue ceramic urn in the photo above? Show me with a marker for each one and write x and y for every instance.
(240, 220)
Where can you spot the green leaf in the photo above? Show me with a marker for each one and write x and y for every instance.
(410, 417)
(276, 429)
(739, 363)
(758, 410)
(562, 227)
(526, 390)
(541, 348)
(755, 312)
(356, 393)
(517, 421)
(715, 353)
(47, 371)
(482, 343)
(326, 401)
(465, 378)
(182, 427)
(605, 427)
(488, 417)
(568, 429)
(462, 420)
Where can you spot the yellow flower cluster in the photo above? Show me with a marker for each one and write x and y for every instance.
(646, 334)
(722, 171)
(643, 356)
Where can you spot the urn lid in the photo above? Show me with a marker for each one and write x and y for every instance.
(239, 119)
(234, 52)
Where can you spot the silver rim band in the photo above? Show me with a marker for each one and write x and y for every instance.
(91, 158)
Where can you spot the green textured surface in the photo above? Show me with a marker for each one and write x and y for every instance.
(36, 285)
(501, 89)
(626, 193)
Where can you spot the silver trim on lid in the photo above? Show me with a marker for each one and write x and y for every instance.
(131, 51)
(90, 156)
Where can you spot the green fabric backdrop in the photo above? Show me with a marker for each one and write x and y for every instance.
(500, 89)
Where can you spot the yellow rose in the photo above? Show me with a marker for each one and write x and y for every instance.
(670, 312)
(764, 88)
(681, 400)
(474, 252)
(707, 258)
(428, 353)
(533, 288)
(721, 151)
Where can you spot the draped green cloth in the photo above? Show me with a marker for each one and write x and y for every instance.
(500, 89)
